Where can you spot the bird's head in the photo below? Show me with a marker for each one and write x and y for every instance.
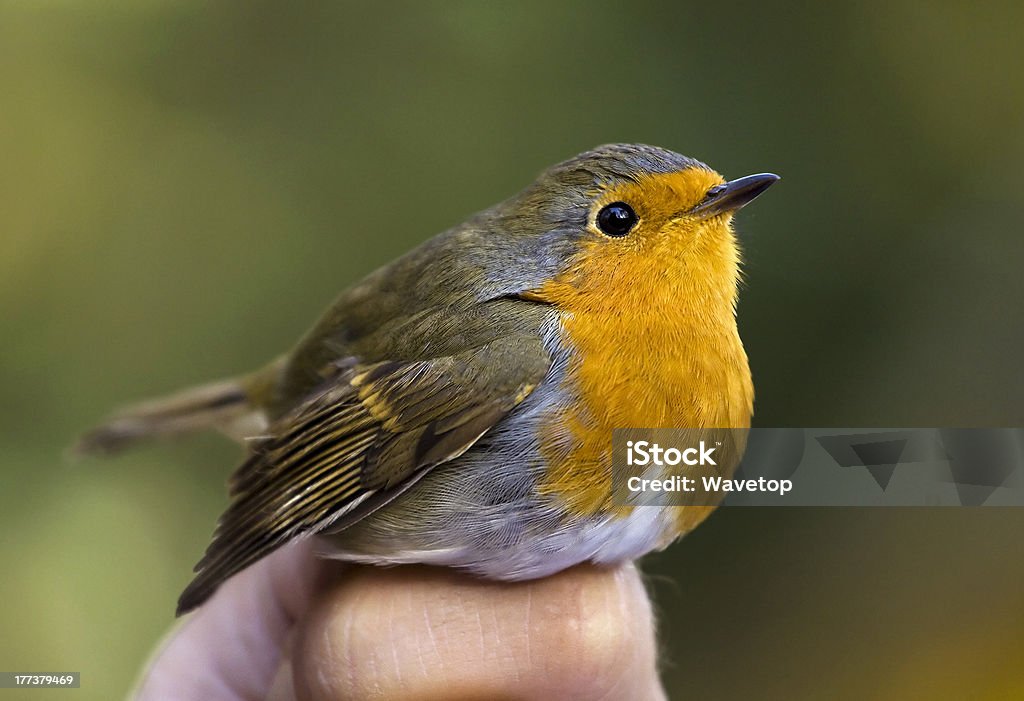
(624, 227)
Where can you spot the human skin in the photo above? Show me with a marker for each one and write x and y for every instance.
(296, 628)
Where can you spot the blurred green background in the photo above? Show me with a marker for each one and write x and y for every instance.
(184, 186)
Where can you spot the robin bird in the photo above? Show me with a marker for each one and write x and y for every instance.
(456, 406)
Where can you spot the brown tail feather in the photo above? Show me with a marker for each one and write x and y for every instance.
(216, 405)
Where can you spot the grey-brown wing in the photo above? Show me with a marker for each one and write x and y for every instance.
(368, 432)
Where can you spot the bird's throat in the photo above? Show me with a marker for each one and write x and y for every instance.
(664, 353)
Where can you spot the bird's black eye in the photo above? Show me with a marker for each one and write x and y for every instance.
(616, 219)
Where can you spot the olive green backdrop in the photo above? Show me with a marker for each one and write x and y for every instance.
(184, 186)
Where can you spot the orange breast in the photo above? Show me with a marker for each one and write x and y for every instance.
(654, 343)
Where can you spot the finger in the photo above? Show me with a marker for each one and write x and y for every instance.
(230, 647)
(424, 633)
(282, 688)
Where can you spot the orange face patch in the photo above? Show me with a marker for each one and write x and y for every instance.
(659, 199)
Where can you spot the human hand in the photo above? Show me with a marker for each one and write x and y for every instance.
(295, 627)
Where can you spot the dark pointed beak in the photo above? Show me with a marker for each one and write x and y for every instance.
(730, 196)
